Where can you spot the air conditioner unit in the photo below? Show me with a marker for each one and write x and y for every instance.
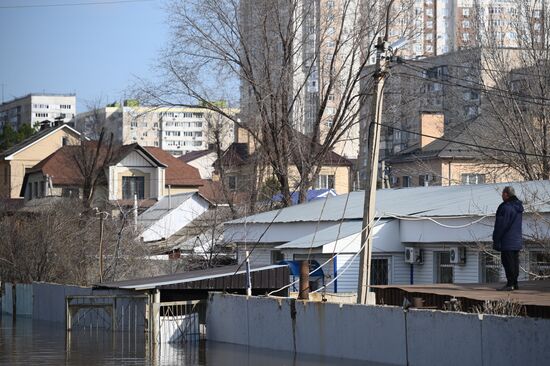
(413, 255)
(457, 255)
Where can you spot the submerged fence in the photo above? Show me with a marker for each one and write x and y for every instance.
(383, 334)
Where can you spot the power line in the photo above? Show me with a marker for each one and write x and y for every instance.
(480, 147)
(58, 5)
(508, 94)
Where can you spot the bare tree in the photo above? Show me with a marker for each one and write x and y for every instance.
(299, 64)
(514, 120)
(56, 240)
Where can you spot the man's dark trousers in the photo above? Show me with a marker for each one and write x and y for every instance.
(510, 261)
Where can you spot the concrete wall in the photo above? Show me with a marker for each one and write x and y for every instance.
(380, 334)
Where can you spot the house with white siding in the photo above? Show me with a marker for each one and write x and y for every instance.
(422, 235)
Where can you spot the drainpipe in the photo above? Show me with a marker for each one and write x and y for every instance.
(169, 197)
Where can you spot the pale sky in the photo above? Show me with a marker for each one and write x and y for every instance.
(91, 50)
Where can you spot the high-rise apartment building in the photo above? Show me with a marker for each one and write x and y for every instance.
(178, 130)
(322, 42)
(35, 108)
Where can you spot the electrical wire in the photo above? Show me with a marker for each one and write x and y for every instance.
(59, 5)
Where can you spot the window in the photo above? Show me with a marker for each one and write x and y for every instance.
(41, 185)
(325, 182)
(407, 181)
(429, 24)
(490, 267)
(465, 12)
(465, 24)
(473, 178)
(65, 106)
(444, 268)
(379, 271)
(277, 256)
(64, 141)
(35, 190)
(465, 37)
(41, 115)
(424, 180)
(133, 186)
(539, 264)
(232, 182)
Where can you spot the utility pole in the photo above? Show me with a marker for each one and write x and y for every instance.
(373, 146)
(100, 247)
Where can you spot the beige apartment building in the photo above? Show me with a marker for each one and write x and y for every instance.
(433, 162)
(16, 161)
(178, 130)
(35, 108)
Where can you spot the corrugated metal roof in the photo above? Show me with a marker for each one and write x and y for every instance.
(185, 277)
(460, 200)
(325, 236)
(163, 207)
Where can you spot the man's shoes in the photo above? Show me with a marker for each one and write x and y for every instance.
(506, 288)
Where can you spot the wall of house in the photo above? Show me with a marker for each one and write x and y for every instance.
(494, 173)
(135, 165)
(377, 334)
(178, 190)
(416, 168)
(341, 177)
(29, 157)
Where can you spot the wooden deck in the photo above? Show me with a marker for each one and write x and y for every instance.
(535, 295)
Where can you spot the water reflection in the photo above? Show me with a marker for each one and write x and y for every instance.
(25, 342)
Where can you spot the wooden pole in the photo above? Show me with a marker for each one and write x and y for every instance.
(304, 281)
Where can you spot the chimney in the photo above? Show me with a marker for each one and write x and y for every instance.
(432, 126)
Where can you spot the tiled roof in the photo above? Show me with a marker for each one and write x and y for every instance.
(178, 172)
(62, 165)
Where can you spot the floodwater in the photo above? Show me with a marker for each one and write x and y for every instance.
(25, 342)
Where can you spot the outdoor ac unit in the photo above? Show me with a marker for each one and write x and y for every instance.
(457, 255)
(413, 255)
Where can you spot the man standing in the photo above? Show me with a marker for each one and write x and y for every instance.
(507, 236)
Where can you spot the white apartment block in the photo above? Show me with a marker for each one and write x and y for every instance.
(35, 108)
(178, 130)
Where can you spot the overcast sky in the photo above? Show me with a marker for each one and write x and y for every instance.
(90, 50)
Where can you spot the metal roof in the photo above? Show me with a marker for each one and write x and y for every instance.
(325, 236)
(163, 207)
(176, 280)
(436, 201)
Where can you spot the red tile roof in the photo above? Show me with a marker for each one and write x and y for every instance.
(62, 165)
(178, 172)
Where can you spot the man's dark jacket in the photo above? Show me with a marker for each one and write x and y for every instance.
(507, 234)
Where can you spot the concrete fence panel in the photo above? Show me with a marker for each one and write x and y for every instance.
(351, 331)
(515, 341)
(227, 319)
(274, 331)
(443, 338)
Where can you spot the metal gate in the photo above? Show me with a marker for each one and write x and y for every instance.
(179, 321)
(106, 312)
